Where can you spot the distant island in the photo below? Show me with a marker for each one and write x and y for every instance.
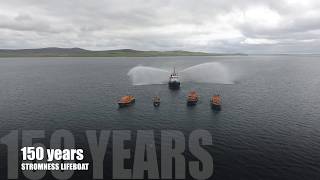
(78, 52)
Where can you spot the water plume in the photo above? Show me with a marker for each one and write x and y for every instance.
(212, 72)
(143, 75)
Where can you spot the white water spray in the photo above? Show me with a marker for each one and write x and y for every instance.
(143, 75)
(212, 72)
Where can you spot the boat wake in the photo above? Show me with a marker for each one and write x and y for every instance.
(212, 72)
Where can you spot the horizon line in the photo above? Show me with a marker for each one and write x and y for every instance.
(70, 48)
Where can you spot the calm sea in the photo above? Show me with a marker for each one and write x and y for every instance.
(269, 126)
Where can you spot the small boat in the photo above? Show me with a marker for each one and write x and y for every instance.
(216, 102)
(126, 101)
(174, 82)
(156, 101)
(192, 98)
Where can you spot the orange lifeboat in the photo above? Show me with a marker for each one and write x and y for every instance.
(216, 102)
(126, 101)
(192, 98)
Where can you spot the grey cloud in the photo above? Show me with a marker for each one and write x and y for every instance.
(23, 22)
(214, 26)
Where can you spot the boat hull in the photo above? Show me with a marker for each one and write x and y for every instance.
(192, 103)
(156, 104)
(216, 107)
(174, 85)
(121, 105)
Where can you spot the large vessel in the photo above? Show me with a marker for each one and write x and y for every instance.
(174, 82)
(126, 101)
(216, 102)
(192, 98)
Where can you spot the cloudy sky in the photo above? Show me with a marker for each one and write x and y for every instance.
(247, 26)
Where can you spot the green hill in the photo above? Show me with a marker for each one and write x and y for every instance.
(78, 52)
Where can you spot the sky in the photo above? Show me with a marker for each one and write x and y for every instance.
(222, 26)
